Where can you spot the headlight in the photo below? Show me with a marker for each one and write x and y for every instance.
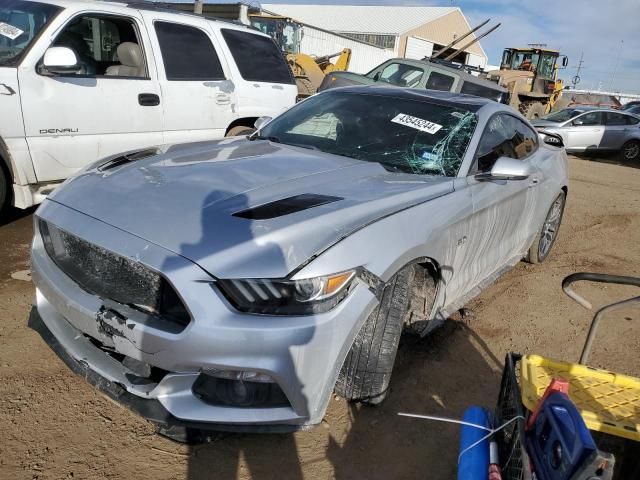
(287, 297)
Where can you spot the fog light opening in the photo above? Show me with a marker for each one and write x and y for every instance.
(243, 389)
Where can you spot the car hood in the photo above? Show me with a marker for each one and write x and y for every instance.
(185, 197)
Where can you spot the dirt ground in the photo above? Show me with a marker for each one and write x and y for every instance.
(55, 426)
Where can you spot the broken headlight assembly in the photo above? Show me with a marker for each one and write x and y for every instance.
(288, 297)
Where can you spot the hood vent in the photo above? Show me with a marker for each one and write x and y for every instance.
(286, 206)
(127, 158)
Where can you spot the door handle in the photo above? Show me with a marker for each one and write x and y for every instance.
(148, 99)
(223, 99)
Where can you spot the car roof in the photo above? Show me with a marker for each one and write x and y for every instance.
(459, 100)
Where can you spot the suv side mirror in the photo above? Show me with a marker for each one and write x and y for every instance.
(261, 122)
(59, 61)
(506, 168)
(376, 77)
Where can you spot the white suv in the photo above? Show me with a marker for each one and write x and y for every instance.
(81, 80)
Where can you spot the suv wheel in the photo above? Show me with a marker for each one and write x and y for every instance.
(5, 190)
(367, 369)
(240, 130)
(547, 235)
(631, 151)
(532, 110)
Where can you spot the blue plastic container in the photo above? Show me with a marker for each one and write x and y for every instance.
(474, 463)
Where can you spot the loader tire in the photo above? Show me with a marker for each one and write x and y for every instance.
(532, 110)
(305, 87)
(366, 371)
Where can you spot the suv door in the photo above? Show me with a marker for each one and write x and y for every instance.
(107, 107)
(503, 209)
(199, 95)
(585, 131)
(262, 76)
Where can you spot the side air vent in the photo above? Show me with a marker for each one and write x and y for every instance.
(286, 206)
(127, 158)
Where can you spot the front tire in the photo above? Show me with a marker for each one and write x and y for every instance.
(532, 110)
(547, 235)
(367, 369)
(631, 151)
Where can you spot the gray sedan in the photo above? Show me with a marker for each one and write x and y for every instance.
(585, 129)
(235, 284)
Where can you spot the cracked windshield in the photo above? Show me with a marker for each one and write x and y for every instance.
(404, 135)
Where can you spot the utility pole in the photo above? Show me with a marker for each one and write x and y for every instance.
(615, 69)
(197, 7)
(576, 79)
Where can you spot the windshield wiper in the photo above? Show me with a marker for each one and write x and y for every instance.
(277, 140)
(260, 137)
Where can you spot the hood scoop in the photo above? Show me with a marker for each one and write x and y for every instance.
(286, 206)
(127, 158)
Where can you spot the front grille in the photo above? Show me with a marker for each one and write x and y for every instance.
(110, 276)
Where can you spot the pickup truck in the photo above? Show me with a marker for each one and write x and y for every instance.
(81, 80)
(432, 75)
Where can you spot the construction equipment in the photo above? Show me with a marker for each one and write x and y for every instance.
(531, 76)
(309, 71)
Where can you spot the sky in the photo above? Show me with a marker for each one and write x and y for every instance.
(608, 32)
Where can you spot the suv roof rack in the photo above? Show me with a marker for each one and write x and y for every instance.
(457, 66)
(170, 7)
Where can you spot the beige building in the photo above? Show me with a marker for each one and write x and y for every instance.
(405, 31)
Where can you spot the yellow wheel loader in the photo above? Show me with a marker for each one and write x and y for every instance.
(531, 76)
(309, 71)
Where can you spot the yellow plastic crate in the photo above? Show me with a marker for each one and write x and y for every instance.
(608, 402)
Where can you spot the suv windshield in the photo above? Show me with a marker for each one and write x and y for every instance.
(563, 115)
(20, 23)
(412, 136)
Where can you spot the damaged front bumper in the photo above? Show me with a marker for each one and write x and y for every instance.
(104, 341)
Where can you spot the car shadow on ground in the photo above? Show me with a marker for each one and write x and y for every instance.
(612, 158)
(440, 375)
(13, 214)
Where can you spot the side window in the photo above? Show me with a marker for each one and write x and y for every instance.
(401, 75)
(187, 53)
(589, 119)
(633, 120)
(504, 136)
(471, 88)
(440, 81)
(104, 45)
(616, 119)
(257, 57)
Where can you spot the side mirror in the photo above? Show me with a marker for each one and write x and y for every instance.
(59, 61)
(565, 61)
(551, 138)
(578, 122)
(506, 168)
(261, 122)
(376, 77)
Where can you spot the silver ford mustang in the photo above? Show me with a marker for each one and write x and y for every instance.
(235, 284)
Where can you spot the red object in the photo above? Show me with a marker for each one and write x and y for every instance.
(494, 472)
(556, 385)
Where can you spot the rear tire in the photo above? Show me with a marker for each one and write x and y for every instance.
(367, 369)
(547, 235)
(631, 151)
(532, 110)
(240, 130)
